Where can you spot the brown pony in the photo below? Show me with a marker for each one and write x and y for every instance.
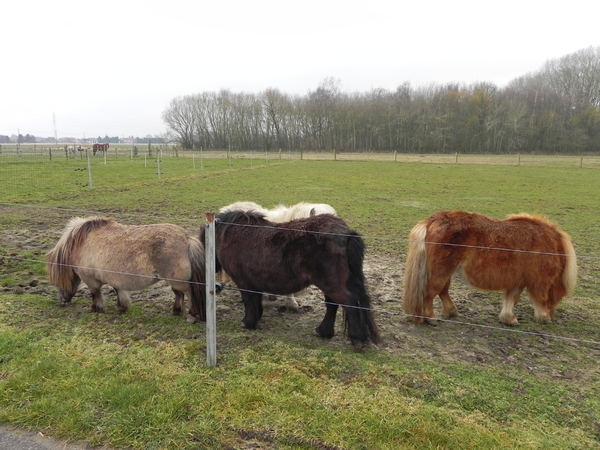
(280, 213)
(98, 251)
(284, 258)
(508, 255)
(100, 147)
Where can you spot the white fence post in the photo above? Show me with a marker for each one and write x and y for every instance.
(89, 164)
(211, 304)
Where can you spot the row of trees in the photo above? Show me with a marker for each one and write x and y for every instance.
(553, 110)
(27, 139)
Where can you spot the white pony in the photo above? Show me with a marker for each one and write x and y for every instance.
(280, 213)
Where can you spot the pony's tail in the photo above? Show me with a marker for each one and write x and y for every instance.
(198, 279)
(355, 250)
(569, 277)
(415, 274)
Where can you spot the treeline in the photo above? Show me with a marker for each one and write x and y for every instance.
(554, 110)
(27, 139)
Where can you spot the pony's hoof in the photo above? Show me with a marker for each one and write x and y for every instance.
(431, 322)
(96, 309)
(191, 319)
(323, 334)
(358, 346)
(451, 314)
(250, 325)
(510, 321)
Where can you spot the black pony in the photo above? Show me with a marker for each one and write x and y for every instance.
(284, 258)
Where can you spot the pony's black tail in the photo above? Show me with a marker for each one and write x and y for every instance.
(198, 279)
(355, 250)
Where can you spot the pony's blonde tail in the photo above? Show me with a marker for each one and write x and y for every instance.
(570, 273)
(415, 274)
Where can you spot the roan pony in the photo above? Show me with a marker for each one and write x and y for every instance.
(281, 213)
(99, 250)
(510, 255)
(283, 258)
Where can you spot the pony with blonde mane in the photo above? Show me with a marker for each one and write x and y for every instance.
(279, 214)
(510, 255)
(99, 251)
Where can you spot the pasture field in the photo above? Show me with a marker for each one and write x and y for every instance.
(139, 380)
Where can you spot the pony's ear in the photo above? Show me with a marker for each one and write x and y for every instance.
(312, 212)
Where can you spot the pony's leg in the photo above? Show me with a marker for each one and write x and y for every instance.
(291, 303)
(428, 313)
(555, 295)
(541, 310)
(178, 303)
(326, 329)
(98, 303)
(437, 284)
(510, 299)
(123, 300)
(448, 307)
(253, 309)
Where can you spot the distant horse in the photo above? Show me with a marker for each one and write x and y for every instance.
(99, 250)
(100, 147)
(281, 213)
(510, 255)
(283, 258)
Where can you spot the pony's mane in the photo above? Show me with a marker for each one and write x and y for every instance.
(77, 228)
(243, 206)
(283, 213)
(228, 218)
(539, 219)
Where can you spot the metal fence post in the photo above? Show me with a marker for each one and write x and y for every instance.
(211, 304)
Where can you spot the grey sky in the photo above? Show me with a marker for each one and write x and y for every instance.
(111, 67)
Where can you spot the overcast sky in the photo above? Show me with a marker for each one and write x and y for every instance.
(111, 67)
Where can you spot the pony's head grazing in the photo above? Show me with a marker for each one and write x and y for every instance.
(59, 260)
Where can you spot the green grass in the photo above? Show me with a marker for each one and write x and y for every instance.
(139, 380)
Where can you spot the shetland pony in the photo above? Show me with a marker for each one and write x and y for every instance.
(281, 213)
(99, 250)
(283, 258)
(510, 255)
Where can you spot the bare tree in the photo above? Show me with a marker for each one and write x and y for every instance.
(181, 120)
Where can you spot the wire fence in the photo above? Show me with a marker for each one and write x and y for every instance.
(65, 168)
